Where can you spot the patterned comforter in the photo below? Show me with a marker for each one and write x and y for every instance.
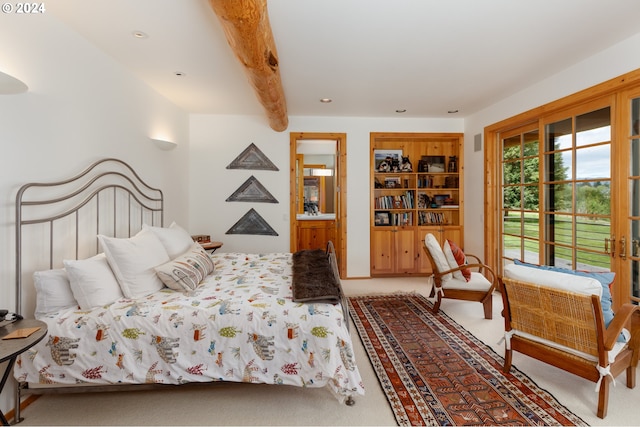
(239, 325)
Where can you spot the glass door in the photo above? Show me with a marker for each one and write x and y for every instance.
(577, 192)
(556, 191)
(521, 195)
(629, 255)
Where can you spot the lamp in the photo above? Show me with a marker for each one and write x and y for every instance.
(9, 85)
(321, 172)
(163, 144)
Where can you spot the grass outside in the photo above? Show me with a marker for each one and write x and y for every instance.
(590, 235)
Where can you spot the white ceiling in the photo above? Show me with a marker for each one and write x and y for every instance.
(371, 57)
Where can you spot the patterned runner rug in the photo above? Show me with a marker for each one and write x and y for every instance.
(434, 372)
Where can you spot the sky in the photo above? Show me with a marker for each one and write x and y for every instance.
(593, 162)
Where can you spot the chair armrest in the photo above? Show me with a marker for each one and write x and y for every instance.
(477, 263)
(461, 267)
(625, 314)
(478, 260)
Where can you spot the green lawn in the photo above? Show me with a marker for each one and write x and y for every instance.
(590, 235)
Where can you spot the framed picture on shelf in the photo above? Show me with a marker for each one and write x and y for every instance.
(440, 199)
(382, 218)
(387, 160)
(434, 163)
(392, 182)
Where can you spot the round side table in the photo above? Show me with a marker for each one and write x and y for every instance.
(10, 349)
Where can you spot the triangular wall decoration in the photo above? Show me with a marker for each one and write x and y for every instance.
(252, 191)
(252, 223)
(252, 158)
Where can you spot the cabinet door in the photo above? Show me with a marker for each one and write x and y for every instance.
(405, 251)
(315, 234)
(454, 234)
(382, 249)
(393, 251)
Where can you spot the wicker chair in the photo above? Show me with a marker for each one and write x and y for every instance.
(566, 330)
(479, 288)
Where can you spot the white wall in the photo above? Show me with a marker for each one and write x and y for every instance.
(610, 63)
(217, 140)
(81, 106)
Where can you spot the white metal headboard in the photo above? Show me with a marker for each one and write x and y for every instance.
(61, 220)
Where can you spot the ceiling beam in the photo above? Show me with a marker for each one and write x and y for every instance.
(246, 26)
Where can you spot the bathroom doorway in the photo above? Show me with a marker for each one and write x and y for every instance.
(318, 192)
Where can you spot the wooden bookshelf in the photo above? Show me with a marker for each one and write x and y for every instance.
(407, 202)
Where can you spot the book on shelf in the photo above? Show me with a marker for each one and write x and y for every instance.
(400, 201)
(402, 219)
(428, 218)
(450, 206)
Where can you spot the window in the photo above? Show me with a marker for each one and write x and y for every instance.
(520, 193)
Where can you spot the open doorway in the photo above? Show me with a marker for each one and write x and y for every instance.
(318, 192)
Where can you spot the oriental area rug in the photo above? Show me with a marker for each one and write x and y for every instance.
(434, 372)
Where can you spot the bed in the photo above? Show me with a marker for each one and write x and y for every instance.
(129, 302)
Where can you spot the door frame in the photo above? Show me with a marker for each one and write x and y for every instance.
(341, 187)
(625, 258)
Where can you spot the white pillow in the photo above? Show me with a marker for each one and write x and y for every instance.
(133, 261)
(187, 271)
(438, 256)
(451, 260)
(53, 292)
(554, 279)
(92, 282)
(175, 239)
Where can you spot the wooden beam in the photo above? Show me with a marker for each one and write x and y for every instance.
(246, 26)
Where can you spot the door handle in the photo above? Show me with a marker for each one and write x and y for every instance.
(610, 246)
(613, 246)
(635, 244)
(623, 247)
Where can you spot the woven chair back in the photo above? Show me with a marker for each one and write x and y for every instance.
(563, 317)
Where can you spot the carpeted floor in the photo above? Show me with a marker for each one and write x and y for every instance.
(250, 404)
(436, 373)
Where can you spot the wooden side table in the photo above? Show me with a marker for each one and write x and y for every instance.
(211, 246)
(10, 349)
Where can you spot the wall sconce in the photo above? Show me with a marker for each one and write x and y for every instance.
(9, 85)
(163, 144)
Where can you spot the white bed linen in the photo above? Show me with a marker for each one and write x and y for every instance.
(239, 325)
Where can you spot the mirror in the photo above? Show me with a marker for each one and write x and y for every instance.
(315, 177)
(313, 195)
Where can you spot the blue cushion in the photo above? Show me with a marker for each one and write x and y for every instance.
(605, 279)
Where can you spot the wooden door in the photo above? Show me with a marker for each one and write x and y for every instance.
(625, 233)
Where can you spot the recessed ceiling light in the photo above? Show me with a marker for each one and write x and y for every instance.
(140, 35)
(401, 110)
(179, 74)
(452, 111)
(325, 100)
